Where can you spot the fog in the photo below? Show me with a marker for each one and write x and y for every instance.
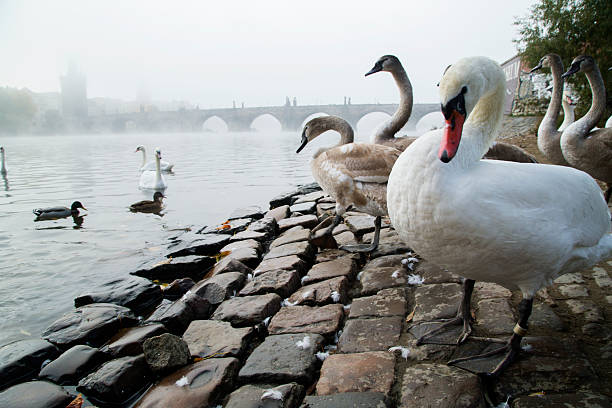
(212, 53)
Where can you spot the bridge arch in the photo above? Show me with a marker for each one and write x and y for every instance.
(368, 123)
(430, 121)
(266, 122)
(214, 124)
(312, 116)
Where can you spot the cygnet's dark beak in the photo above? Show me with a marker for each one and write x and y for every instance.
(534, 69)
(377, 68)
(575, 67)
(304, 142)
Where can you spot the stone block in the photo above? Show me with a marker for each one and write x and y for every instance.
(295, 234)
(35, 394)
(229, 227)
(387, 302)
(201, 384)
(193, 267)
(378, 334)
(278, 213)
(229, 264)
(248, 235)
(255, 212)
(376, 279)
(346, 400)
(281, 282)
(573, 291)
(306, 221)
(494, 316)
(307, 207)
(288, 263)
(283, 358)
(434, 274)
(136, 293)
(219, 287)
(246, 243)
(303, 249)
(72, 365)
(250, 396)
(359, 372)
(177, 315)
(438, 385)
(489, 290)
(198, 244)
(602, 279)
(212, 338)
(345, 266)
(128, 341)
(437, 301)
(248, 310)
(22, 359)
(324, 320)
(333, 290)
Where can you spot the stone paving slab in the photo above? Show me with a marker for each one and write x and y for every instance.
(346, 400)
(249, 235)
(252, 211)
(374, 280)
(288, 263)
(378, 334)
(544, 317)
(307, 207)
(494, 316)
(310, 197)
(229, 264)
(219, 287)
(434, 274)
(138, 294)
(176, 268)
(247, 256)
(198, 244)
(324, 320)
(333, 290)
(488, 290)
(358, 372)
(248, 310)
(387, 302)
(303, 249)
(580, 399)
(306, 221)
(281, 282)
(278, 213)
(295, 234)
(437, 301)
(438, 385)
(360, 224)
(201, 384)
(177, 315)
(283, 358)
(207, 338)
(35, 394)
(250, 396)
(326, 255)
(246, 243)
(128, 341)
(267, 225)
(602, 279)
(345, 266)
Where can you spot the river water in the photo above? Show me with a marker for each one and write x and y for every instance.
(44, 265)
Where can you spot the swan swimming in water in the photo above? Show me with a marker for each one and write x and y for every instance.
(164, 165)
(53, 213)
(518, 225)
(3, 168)
(351, 173)
(153, 180)
(583, 147)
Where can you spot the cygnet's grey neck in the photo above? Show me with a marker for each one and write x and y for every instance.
(400, 117)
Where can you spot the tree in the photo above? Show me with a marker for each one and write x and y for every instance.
(570, 28)
(17, 110)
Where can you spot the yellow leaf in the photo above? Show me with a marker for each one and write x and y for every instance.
(409, 317)
(537, 394)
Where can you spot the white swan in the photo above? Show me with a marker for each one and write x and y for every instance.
(164, 165)
(518, 225)
(584, 147)
(548, 135)
(351, 173)
(3, 168)
(153, 180)
(569, 105)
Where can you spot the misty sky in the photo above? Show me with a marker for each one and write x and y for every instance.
(213, 52)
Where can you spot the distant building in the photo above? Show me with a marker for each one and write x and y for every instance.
(74, 93)
(512, 69)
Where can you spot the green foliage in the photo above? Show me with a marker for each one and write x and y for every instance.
(16, 110)
(570, 28)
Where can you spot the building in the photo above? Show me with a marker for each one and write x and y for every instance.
(74, 94)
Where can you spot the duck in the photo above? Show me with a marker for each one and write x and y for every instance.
(351, 173)
(385, 134)
(164, 165)
(2, 160)
(53, 213)
(585, 148)
(569, 105)
(153, 180)
(149, 206)
(519, 225)
(548, 135)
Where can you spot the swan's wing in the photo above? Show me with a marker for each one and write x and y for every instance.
(368, 163)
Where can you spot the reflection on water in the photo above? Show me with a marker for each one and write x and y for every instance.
(45, 265)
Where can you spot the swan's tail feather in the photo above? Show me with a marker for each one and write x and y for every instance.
(587, 257)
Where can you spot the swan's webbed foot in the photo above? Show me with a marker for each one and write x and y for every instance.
(510, 350)
(325, 238)
(441, 332)
(366, 248)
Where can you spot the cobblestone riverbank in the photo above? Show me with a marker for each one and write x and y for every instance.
(248, 313)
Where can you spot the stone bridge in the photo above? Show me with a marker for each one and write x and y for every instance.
(290, 118)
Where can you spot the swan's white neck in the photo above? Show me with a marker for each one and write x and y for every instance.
(144, 157)
(157, 170)
(568, 115)
(481, 127)
(402, 114)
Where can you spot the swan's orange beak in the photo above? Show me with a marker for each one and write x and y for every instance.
(452, 136)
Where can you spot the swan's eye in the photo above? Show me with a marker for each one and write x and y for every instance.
(464, 90)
